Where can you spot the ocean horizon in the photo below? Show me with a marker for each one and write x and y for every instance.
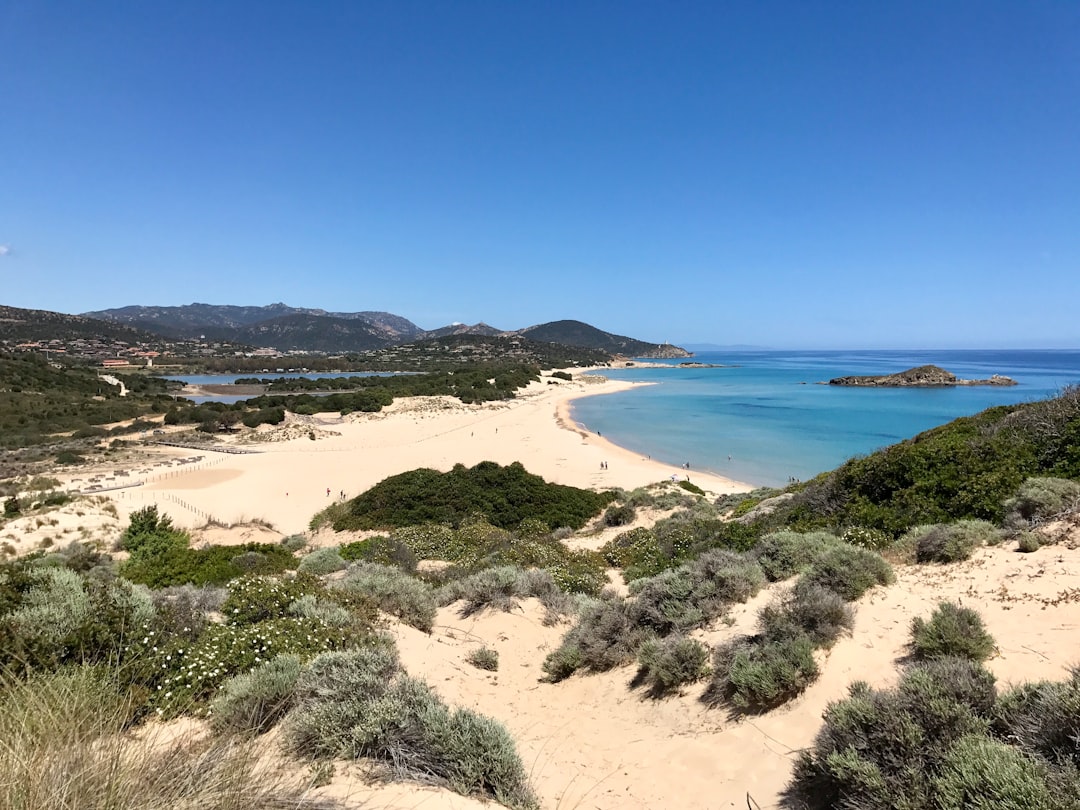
(763, 419)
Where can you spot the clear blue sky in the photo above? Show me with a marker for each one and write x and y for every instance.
(793, 174)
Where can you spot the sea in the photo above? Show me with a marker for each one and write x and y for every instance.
(764, 419)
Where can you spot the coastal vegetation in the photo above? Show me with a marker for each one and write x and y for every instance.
(265, 636)
(969, 468)
(42, 403)
(944, 736)
(502, 496)
(264, 650)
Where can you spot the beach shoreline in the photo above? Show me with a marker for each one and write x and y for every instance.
(299, 468)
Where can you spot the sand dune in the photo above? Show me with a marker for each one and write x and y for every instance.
(593, 742)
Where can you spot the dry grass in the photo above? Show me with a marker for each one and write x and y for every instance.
(65, 743)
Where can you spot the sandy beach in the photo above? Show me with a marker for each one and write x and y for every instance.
(286, 477)
(591, 741)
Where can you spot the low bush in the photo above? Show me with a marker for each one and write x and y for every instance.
(255, 599)
(1042, 718)
(690, 487)
(978, 773)
(253, 702)
(619, 515)
(381, 549)
(322, 561)
(1027, 542)
(664, 665)
(695, 593)
(951, 631)
(882, 748)
(502, 588)
(392, 591)
(758, 674)
(953, 542)
(504, 495)
(293, 543)
(360, 703)
(784, 554)
(484, 658)
(186, 675)
(55, 616)
(604, 637)
(1039, 500)
(849, 571)
(820, 613)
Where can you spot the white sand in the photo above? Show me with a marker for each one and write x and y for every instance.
(285, 482)
(591, 741)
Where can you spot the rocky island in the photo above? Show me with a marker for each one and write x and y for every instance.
(922, 377)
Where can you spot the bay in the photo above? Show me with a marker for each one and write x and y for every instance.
(764, 420)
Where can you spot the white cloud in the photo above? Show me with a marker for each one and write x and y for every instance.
(5, 250)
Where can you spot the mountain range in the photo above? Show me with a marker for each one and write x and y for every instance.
(303, 329)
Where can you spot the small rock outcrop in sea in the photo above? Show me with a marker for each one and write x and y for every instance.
(922, 376)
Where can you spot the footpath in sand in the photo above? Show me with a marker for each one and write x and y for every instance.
(286, 482)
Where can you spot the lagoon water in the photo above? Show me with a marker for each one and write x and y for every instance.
(763, 420)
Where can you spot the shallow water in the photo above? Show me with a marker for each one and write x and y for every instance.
(764, 420)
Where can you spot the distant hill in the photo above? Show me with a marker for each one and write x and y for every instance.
(576, 333)
(296, 329)
(27, 325)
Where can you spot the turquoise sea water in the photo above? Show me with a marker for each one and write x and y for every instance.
(767, 414)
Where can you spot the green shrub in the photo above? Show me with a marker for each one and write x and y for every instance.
(1039, 500)
(758, 674)
(189, 674)
(1042, 718)
(849, 571)
(322, 561)
(392, 591)
(689, 487)
(619, 515)
(637, 552)
(383, 550)
(293, 543)
(978, 773)
(61, 617)
(664, 665)
(784, 554)
(360, 703)
(952, 631)
(484, 658)
(504, 495)
(864, 537)
(604, 637)
(502, 588)
(430, 541)
(255, 599)
(953, 542)
(253, 702)
(820, 613)
(1028, 542)
(881, 748)
(695, 593)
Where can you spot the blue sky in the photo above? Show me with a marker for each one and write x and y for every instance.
(790, 174)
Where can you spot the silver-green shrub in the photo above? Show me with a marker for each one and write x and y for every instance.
(322, 561)
(393, 591)
(253, 702)
(1041, 499)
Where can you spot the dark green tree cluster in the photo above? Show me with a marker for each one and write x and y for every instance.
(505, 496)
(39, 400)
